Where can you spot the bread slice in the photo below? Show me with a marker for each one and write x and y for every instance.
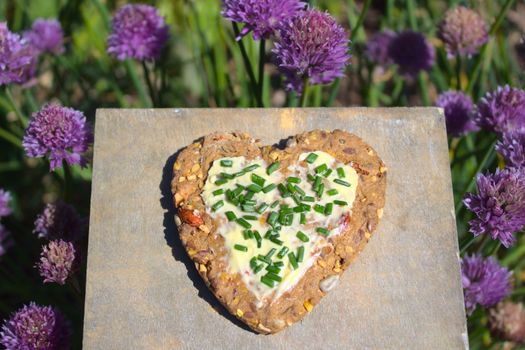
(198, 231)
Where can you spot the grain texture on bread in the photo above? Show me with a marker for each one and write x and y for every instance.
(206, 248)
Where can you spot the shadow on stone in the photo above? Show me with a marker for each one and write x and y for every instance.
(179, 253)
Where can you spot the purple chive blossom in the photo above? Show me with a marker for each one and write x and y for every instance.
(459, 112)
(57, 261)
(16, 57)
(311, 46)
(60, 221)
(5, 241)
(137, 31)
(485, 282)
(46, 36)
(59, 132)
(499, 205)
(35, 327)
(512, 149)
(412, 52)
(5, 198)
(507, 321)
(502, 110)
(377, 47)
(463, 31)
(262, 17)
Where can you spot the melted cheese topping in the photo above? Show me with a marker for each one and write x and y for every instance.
(234, 234)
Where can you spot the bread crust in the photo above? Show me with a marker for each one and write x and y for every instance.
(206, 248)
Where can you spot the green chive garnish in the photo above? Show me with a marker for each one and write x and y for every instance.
(247, 234)
(258, 238)
(272, 168)
(256, 179)
(293, 261)
(293, 180)
(328, 209)
(244, 223)
(311, 158)
(262, 208)
(282, 252)
(248, 208)
(291, 188)
(227, 163)
(323, 231)
(264, 259)
(341, 203)
(278, 263)
(321, 168)
(342, 182)
(240, 248)
(269, 188)
(332, 192)
(218, 192)
(273, 277)
(238, 190)
(270, 253)
(327, 173)
(221, 182)
(276, 240)
(274, 204)
(302, 221)
(250, 168)
(300, 254)
(247, 198)
(217, 205)
(302, 236)
(231, 215)
(317, 183)
(283, 190)
(273, 268)
(254, 188)
(308, 199)
(258, 268)
(341, 172)
(319, 208)
(227, 176)
(320, 190)
(299, 190)
(249, 217)
(272, 218)
(253, 262)
(267, 281)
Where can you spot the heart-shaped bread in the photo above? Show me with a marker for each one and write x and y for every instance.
(271, 230)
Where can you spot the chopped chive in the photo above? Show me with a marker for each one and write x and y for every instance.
(319, 208)
(249, 201)
(323, 231)
(217, 205)
(258, 268)
(227, 163)
(221, 182)
(342, 182)
(282, 189)
(250, 168)
(218, 192)
(249, 217)
(244, 223)
(328, 209)
(248, 208)
(310, 177)
(291, 188)
(273, 268)
(264, 259)
(239, 174)
(341, 203)
(308, 199)
(270, 253)
(254, 188)
(306, 207)
(299, 190)
(258, 238)
(268, 234)
(247, 234)
(302, 221)
(248, 198)
(317, 183)
(253, 262)
(296, 198)
(278, 263)
(298, 209)
(320, 190)
(269, 188)
(332, 192)
(321, 169)
(274, 204)
(238, 190)
(289, 220)
(241, 248)
(293, 180)
(293, 261)
(282, 252)
(327, 173)
(272, 168)
(276, 240)
(256, 179)
(267, 281)
(231, 215)
(341, 172)
(302, 236)
(241, 198)
(311, 158)
(262, 208)
(226, 176)
(272, 218)
(285, 210)
(300, 254)
(274, 277)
